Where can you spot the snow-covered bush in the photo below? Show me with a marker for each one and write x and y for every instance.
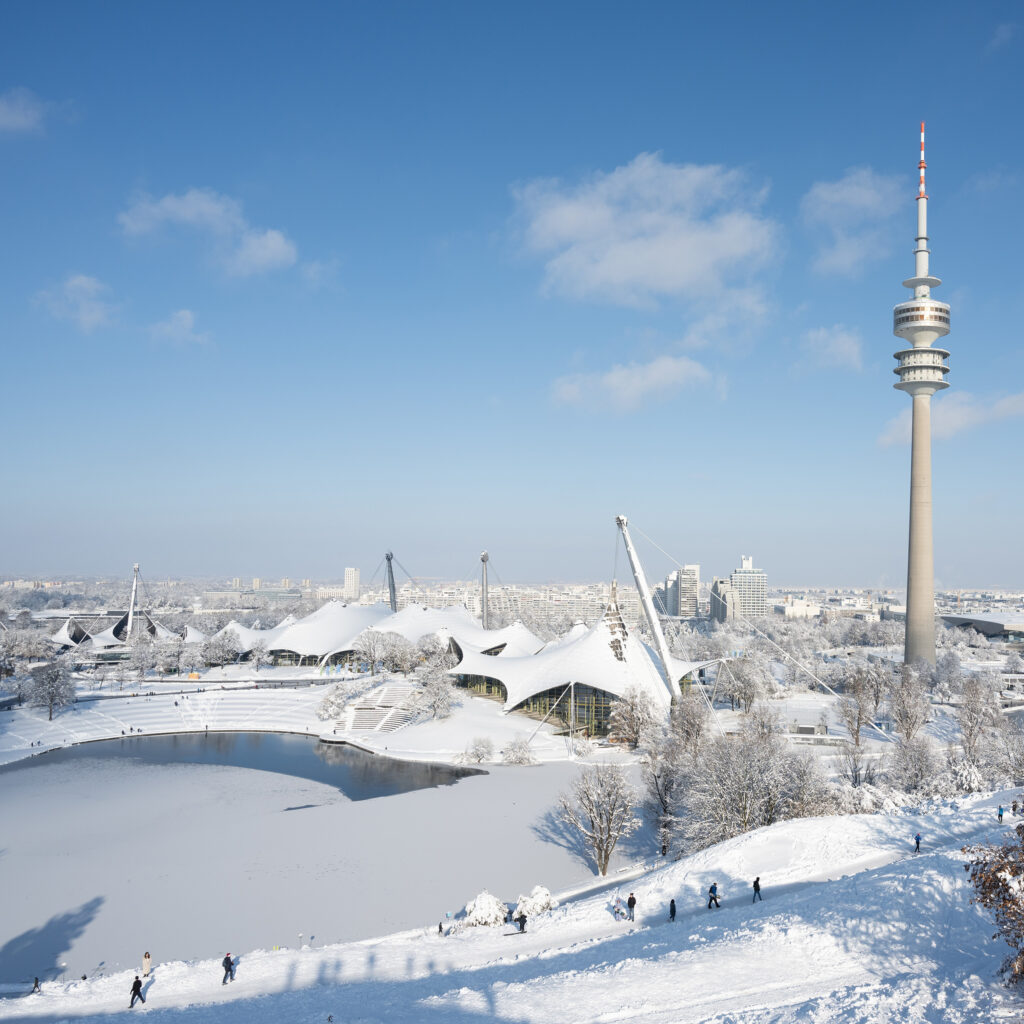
(518, 751)
(913, 765)
(333, 704)
(539, 900)
(438, 694)
(485, 911)
(480, 749)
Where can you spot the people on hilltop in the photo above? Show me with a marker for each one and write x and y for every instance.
(229, 969)
(631, 904)
(757, 890)
(147, 962)
(137, 992)
(713, 896)
(35, 986)
(672, 910)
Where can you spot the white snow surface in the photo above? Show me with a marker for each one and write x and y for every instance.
(854, 928)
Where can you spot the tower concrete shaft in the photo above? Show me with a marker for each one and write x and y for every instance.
(921, 370)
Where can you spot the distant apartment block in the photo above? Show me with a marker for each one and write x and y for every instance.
(351, 589)
(751, 587)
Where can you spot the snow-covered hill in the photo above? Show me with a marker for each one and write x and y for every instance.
(854, 928)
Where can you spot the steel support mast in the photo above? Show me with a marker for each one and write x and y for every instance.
(647, 603)
(131, 603)
(484, 558)
(391, 582)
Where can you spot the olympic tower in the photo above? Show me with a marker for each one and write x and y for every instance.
(922, 371)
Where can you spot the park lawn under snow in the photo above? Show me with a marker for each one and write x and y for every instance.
(854, 928)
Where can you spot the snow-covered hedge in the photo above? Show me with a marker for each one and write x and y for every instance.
(485, 911)
(518, 752)
(539, 900)
(480, 749)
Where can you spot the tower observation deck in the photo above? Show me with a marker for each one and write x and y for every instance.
(922, 370)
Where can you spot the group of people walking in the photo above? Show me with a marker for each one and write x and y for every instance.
(713, 900)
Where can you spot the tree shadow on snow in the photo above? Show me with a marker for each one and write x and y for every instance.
(37, 952)
(550, 828)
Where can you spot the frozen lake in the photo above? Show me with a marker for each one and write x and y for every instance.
(360, 776)
(109, 850)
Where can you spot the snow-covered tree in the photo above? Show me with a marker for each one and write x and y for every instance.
(908, 700)
(371, 646)
(398, 655)
(860, 767)
(600, 806)
(1014, 663)
(855, 705)
(517, 751)
(751, 679)
(143, 655)
(437, 695)
(168, 656)
(222, 648)
(480, 749)
(948, 675)
(689, 719)
(52, 686)
(977, 712)
(259, 655)
(661, 770)
(631, 716)
(997, 876)
(913, 764)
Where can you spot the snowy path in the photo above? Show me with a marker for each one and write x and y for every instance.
(854, 928)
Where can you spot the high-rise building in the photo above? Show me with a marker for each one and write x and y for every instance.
(350, 591)
(681, 591)
(922, 370)
(724, 600)
(256, 581)
(751, 587)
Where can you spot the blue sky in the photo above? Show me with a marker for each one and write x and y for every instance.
(284, 286)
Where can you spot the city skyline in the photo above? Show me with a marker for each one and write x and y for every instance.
(442, 280)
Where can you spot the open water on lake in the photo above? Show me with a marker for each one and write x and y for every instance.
(360, 776)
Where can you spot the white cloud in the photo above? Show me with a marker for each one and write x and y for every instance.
(260, 251)
(647, 230)
(831, 347)
(1002, 36)
(81, 300)
(954, 413)
(21, 110)
(241, 249)
(319, 273)
(852, 213)
(626, 388)
(179, 329)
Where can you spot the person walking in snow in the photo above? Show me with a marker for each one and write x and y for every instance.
(35, 986)
(631, 903)
(672, 910)
(137, 992)
(917, 843)
(713, 896)
(1013, 808)
(1000, 814)
(229, 969)
(757, 890)
(147, 961)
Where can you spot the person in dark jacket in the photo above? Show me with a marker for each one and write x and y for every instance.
(229, 969)
(631, 903)
(713, 896)
(136, 991)
(522, 921)
(671, 910)
(35, 987)
(757, 890)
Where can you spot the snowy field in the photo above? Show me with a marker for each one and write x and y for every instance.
(854, 929)
(111, 858)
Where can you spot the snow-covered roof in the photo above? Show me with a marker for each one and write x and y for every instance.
(606, 656)
(415, 621)
(70, 634)
(332, 627)
(194, 636)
